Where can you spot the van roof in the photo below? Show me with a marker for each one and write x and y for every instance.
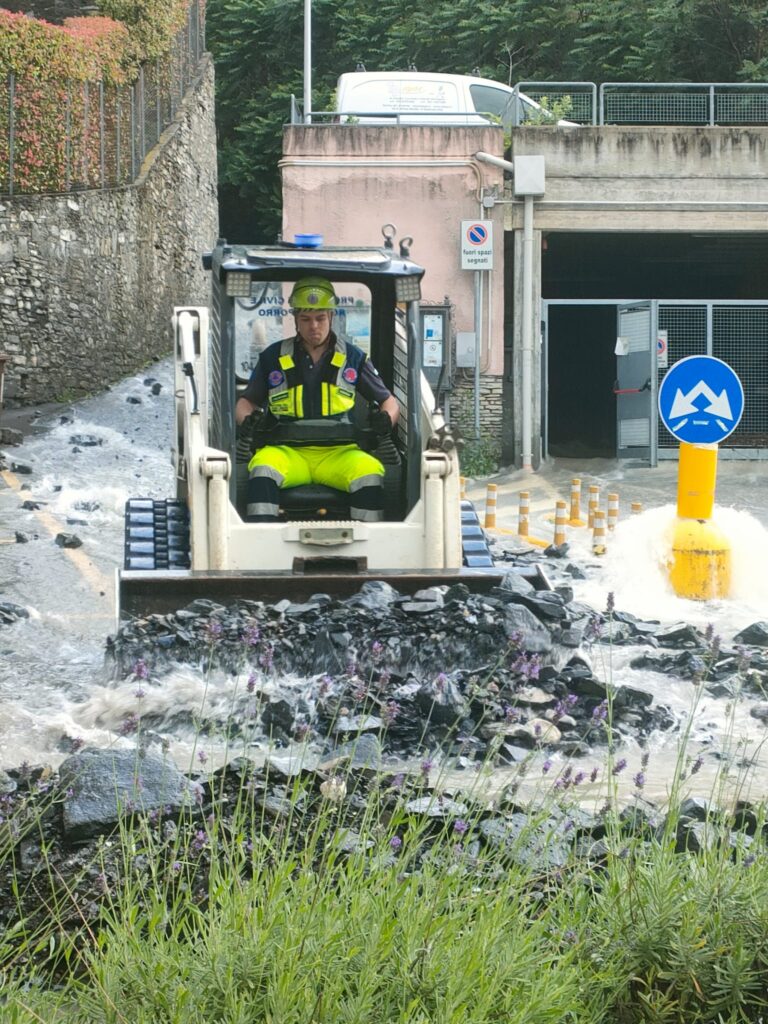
(423, 76)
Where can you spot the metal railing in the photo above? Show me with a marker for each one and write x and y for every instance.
(58, 136)
(709, 104)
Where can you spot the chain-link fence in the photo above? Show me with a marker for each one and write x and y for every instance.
(653, 103)
(737, 333)
(63, 136)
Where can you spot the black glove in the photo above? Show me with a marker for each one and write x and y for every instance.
(246, 428)
(381, 424)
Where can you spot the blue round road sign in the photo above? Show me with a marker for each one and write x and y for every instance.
(477, 234)
(701, 400)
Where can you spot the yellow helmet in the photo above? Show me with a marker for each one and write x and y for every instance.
(313, 293)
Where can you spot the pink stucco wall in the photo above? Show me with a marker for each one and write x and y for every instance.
(346, 181)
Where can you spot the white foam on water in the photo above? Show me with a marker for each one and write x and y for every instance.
(634, 570)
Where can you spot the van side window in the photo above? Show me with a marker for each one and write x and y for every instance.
(488, 100)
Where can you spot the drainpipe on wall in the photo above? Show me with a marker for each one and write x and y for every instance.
(528, 182)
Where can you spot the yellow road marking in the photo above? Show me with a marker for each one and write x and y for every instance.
(92, 575)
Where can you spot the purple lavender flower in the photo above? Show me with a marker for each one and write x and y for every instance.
(578, 778)
(619, 767)
(639, 780)
(395, 843)
(546, 766)
(214, 630)
(440, 681)
(593, 774)
(202, 757)
(324, 685)
(377, 650)
(360, 692)
(696, 766)
(139, 693)
(460, 826)
(251, 634)
(251, 684)
(397, 781)
(176, 866)
(200, 841)
(77, 744)
(140, 669)
(389, 712)
(600, 712)
(301, 731)
(426, 768)
(510, 714)
(129, 724)
(610, 603)
(267, 658)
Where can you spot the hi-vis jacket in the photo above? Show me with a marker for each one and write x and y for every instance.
(338, 384)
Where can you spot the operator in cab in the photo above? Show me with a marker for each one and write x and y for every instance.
(314, 376)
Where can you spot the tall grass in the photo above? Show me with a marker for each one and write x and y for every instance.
(351, 903)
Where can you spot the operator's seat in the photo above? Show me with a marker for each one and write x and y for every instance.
(313, 501)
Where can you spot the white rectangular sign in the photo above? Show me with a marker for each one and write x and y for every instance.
(477, 245)
(662, 350)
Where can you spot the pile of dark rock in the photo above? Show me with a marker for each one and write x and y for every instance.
(474, 675)
(60, 848)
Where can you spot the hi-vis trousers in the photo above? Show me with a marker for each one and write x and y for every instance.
(345, 467)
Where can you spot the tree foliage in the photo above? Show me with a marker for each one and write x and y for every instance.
(258, 49)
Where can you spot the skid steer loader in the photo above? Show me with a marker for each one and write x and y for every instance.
(198, 542)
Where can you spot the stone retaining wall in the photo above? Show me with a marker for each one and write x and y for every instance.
(88, 280)
(462, 404)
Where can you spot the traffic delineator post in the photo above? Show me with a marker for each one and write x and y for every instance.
(593, 504)
(462, 488)
(560, 523)
(490, 507)
(523, 521)
(575, 514)
(636, 508)
(598, 532)
(613, 511)
(523, 513)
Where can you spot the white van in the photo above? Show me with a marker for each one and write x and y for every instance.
(417, 97)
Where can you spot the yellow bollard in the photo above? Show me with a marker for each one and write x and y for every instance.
(696, 476)
(490, 507)
(636, 508)
(462, 488)
(594, 501)
(523, 512)
(613, 511)
(575, 516)
(700, 566)
(560, 523)
(598, 533)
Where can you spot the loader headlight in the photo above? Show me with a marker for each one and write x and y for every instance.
(407, 289)
(238, 284)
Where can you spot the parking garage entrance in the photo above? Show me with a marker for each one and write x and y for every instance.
(603, 361)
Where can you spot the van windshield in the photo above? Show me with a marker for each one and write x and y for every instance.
(488, 100)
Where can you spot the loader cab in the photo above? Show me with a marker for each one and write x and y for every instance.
(378, 292)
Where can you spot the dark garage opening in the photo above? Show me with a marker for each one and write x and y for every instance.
(581, 370)
(631, 265)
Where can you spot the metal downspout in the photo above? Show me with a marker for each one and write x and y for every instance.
(527, 335)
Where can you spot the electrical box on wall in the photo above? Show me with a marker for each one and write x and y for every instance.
(465, 348)
(435, 329)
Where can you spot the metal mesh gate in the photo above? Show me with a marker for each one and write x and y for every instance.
(686, 328)
(740, 338)
(737, 333)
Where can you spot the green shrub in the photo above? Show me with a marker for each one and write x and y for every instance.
(479, 458)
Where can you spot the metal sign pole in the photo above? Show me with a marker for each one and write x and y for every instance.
(307, 61)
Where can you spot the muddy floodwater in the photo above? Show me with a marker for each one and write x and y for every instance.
(67, 485)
